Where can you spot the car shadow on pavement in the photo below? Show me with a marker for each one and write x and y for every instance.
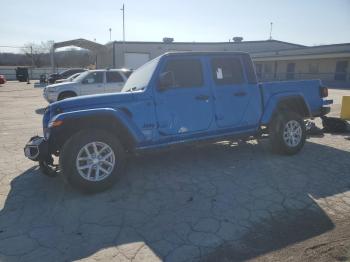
(214, 202)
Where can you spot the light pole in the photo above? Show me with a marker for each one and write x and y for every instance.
(123, 9)
(110, 34)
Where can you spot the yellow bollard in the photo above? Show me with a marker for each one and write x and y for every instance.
(345, 108)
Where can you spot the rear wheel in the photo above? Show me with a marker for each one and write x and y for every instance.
(92, 160)
(287, 133)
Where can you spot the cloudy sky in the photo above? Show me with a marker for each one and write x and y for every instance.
(308, 22)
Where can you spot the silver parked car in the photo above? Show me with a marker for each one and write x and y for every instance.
(88, 83)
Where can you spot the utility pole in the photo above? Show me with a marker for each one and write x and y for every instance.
(271, 30)
(110, 34)
(31, 68)
(123, 9)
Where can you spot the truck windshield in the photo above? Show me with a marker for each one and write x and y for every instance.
(140, 78)
(80, 78)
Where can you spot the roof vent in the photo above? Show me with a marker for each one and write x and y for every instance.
(168, 40)
(237, 39)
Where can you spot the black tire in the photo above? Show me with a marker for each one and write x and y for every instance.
(277, 130)
(65, 95)
(70, 152)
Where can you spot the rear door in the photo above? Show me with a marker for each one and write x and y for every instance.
(114, 82)
(235, 91)
(185, 107)
(93, 83)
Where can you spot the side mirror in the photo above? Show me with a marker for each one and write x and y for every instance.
(166, 80)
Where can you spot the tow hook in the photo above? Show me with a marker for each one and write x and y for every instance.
(48, 168)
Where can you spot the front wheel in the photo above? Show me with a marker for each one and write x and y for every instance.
(92, 160)
(287, 133)
(65, 95)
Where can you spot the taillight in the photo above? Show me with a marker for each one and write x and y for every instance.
(323, 91)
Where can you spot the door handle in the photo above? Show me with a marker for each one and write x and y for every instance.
(240, 94)
(202, 97)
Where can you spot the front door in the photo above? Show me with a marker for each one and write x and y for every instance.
(232, 92)
(93, 83)
(186, 106)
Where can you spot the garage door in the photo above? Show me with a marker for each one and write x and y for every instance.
(135, 60)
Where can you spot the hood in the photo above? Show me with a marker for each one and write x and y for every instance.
(92, 101)
(61, 85)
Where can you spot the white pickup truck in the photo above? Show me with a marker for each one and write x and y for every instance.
(88, 83)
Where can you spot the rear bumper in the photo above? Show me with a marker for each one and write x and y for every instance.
(322, 112)
(325, 109)
(37, 149)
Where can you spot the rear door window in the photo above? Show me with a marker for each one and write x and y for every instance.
(227, 71)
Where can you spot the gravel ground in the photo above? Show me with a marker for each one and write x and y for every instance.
(219, 202)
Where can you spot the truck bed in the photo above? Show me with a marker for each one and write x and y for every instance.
(309, 90)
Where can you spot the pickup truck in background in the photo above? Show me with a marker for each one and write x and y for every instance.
(63, 75)
(177, 98)
(88, 83)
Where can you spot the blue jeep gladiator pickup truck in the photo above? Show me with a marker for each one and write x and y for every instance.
(177, 98)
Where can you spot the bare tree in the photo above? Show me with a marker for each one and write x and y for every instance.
(37, 52)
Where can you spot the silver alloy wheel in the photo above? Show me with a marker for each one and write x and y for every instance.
(292, 133)
(95, 161)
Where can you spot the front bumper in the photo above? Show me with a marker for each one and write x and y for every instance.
(50, 96)
(37, 149)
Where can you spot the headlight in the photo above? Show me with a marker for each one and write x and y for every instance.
(55, 123)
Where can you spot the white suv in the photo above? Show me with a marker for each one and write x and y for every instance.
(88, 83)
